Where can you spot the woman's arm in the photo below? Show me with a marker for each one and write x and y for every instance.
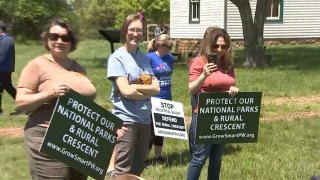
(195, 86)
(129, 91)
(29, 100)
(152, 90)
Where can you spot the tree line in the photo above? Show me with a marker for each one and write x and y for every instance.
(26, 18)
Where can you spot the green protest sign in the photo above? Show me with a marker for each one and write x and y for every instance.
(224, 119)
(81, 134)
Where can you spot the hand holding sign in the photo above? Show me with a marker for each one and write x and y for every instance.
(120, 132)
(81, 134)
(59, 90)
(233, 91)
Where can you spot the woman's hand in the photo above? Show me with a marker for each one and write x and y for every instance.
(209, 68)
(59, 90)
(120, 132)
(233, 91)
(30, 99)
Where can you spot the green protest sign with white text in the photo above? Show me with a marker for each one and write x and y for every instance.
(81, 134)
(225, 119)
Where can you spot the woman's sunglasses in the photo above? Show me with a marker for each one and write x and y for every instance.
(216, 46)
(55, 37)
(167, 46)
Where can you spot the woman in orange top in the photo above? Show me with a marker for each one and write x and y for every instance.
(42, 81)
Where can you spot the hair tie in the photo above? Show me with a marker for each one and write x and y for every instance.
(141, 16)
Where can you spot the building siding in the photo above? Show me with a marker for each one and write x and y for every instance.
(301, 19)
(211, 14)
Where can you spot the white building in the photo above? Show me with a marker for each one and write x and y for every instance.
(287, 19)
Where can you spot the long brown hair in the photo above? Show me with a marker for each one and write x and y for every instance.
(226, 62)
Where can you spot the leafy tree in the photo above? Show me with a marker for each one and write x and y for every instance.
(158, 10)
(28, 17)
(154, 11)
(253, 31)
(100, 14)
(94, 15)
(125, 8)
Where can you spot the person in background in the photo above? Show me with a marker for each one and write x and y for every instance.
(42, 81)
(210, 77)
(162, 67)
(160, 29)
(7, 63)
(133, 83)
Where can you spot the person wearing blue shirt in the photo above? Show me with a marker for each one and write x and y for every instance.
(7, 63)
(162, 67)
(133, 84)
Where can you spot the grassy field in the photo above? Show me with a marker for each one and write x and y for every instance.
(288, 146)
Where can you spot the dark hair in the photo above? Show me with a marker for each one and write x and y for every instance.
(64, 24)
(124, 28)
(3, 26)
(211, 36)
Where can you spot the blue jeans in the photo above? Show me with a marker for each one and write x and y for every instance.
(200, 153)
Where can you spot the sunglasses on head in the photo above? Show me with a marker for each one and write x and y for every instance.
(167, 46)
(55, 37)
(216, 46)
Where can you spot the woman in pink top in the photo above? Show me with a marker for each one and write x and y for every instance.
(42, 81)
(211, 71)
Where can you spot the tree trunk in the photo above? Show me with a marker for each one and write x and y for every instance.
(252, 32)
(259, 19)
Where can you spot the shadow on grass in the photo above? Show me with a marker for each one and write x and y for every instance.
(178, 158)
(183, 157)
(298, 57)
(231, 149)
(302, 57)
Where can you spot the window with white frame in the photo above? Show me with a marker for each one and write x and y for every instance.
(274, 8)
(194, 15)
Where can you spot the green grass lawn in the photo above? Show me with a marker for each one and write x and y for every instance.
(288, 146)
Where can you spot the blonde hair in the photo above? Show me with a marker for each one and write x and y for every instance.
(162, 39)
